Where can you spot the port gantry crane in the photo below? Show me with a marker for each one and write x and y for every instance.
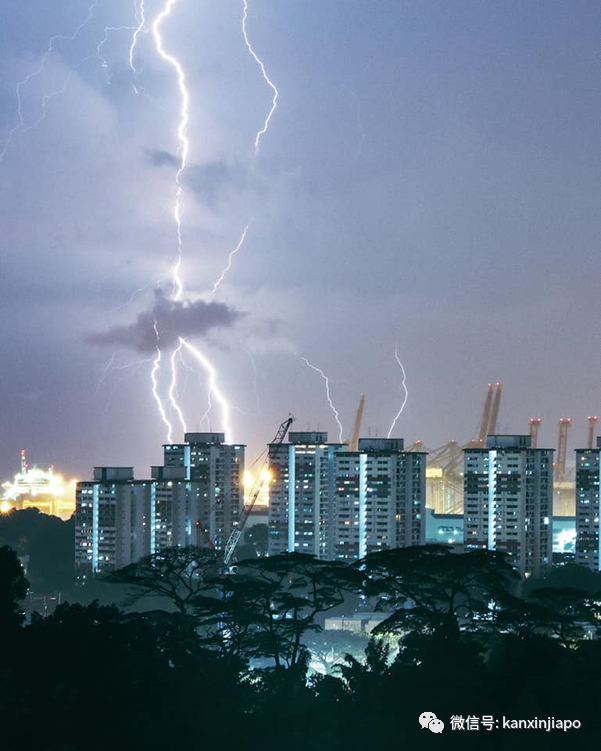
(230, 545)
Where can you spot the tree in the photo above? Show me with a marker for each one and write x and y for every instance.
(364, 678)
(434, 591)
(48, 541)
(13, 588)
(296, 587)
(179, 574)
(567, 611)
(330, 646)
(269, 604)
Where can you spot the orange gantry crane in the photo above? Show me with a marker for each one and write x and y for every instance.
(486, 415)
(592, 421)
(562, 449)
(490, 415)
(353, 442)
(534, 423)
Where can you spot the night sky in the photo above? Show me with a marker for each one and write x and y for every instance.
(429, 181)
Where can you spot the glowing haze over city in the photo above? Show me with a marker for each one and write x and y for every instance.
(217, 214)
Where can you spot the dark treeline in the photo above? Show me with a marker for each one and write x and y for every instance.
(226, 660)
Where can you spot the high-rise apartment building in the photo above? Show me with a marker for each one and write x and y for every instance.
(212, 475)
(379, 499)
(194, 498)
(113, 520)
(341, 505)
(508, 501)
(588, 537)
(300, 490)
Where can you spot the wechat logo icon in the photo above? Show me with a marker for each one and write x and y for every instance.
(430, 721)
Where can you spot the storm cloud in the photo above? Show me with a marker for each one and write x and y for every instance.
(173, 320)
(161, 158)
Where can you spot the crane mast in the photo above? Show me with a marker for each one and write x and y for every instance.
(562, 448)
(230, 546)
(592, 421)
(494, 413)
(353, 443)
(485, 415)
(534, 426)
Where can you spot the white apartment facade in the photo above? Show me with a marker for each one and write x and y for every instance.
(341, 505)
(588, 537)
(508, 501)
(194, 498)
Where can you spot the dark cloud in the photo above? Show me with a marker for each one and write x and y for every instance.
(160, 158)
(173, 319)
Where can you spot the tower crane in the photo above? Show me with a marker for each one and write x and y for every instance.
(592, 421)
(490, 416)
(494, 413)
(353, 443)
(562, 448)
(230, 545)
(534, 423)
(485, 415)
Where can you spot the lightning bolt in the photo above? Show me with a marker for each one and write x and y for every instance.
(178, 287)
(103, 41)
(155, 389)
(229, 260)
(274, 102)
(103, 64)
(396, 354)
(255, 379)
(208, 412)
(53, 94)
(213, 387)
(37, 71)
(332, 407)
(182, 137)
(173, 387)
(109, 366)
(134, 41)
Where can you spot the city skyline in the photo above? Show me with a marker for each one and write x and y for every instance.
(427, 186)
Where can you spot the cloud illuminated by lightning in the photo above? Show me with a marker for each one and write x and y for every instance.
(182, 137)
(155, 389)
(396, 354)
(38, 70)
(274, 102)
(229, 260)
(332, 407)
(214, 387)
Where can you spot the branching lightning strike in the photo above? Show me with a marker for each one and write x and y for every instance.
(134, 41)
(20, 84)
(230, 258)
(404, 384)
(110, 366)
(155, 391)
(178, 287)
(213, 387)
(103, 41)
(173, 387)
(332, 407)
(274, 102)
(182, 136)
